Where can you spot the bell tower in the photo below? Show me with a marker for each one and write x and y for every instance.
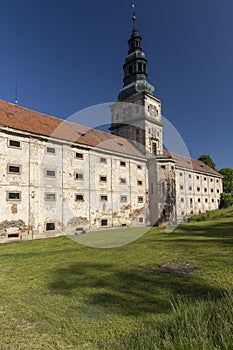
(137, 114)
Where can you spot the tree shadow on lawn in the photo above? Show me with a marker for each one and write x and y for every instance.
(219, 232)
(129, 291)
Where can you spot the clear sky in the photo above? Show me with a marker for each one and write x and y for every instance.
(68, 55)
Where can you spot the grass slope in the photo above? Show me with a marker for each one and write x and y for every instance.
(58, 294)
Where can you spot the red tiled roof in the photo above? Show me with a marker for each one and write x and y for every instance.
(20, 118)
(192, 164)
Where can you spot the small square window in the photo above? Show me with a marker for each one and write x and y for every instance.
(181, 187)
(181, 174)
(103, 198)
(14, 169)
(139, 166)
(123, 199)
(211, 180)
(217, 191)
(205, 189)
(139, 182)
(205, 179)
(140, 219)
(79, 176)
(50, 150)
(50, 173)
(198, 177)
(172, 167)
(198, 189)
(122, 163)
(122, 180)
(79, 155)
(103, 160)
(104, 222)
(13, 196)
(190, 176)
(206, 200)
(50, 226)
(212, 190)
(79, 197)
(140, 199)
(190, 188)
(217, 181)
(50, 196)
(103, 178)
(14, 144)
(162, 166)
(199, 200)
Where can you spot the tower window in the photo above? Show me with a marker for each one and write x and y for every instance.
(122, 163)
(139, 182)
(140, 199)
(122, 180)
(79, 155)
(154, 148)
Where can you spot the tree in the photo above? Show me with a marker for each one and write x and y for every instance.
(226, 200)
(227, 180)
(205, 158)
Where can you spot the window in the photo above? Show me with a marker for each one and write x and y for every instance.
(14, 169)
(212, 200)
(211, 180)
(190, 176)
(139, 182)
(140, 219)
(50, 150)
(79, 197)
(217, 181)
(50, 196)
(182, 200)
(198, 189)
(103, 178)
(103, 160)
(123, 199)
(122, 180)
(212, 190)
(140, 199)
(103, 198)
(162, 166)
(14, 143)
(79, 176)
(181, 174)
(79, 155)
(199, 200)
(206, 200)
(172, 167)
(198, 177)
(154, 148)
(205, 189)
(50, 173)
(181, 187)
(13, 196)
(122, 163)
(139, 166)
(190, 188)
(205, 179)
(50, 226)
(104, 222)
(217, 191)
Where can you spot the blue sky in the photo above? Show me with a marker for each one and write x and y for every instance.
(68, 55)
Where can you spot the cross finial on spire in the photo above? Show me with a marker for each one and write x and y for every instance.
(133, 15)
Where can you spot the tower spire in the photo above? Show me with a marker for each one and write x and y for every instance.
(134, 16)
(135, 66)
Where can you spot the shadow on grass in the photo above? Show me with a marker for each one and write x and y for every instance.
(130, 291)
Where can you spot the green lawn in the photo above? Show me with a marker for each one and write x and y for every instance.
(163, 291)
